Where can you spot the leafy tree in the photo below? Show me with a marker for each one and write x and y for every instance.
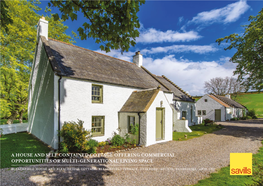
(249, 54)
(113, 23)
(17, 53)
(223, 86)
(5, 17)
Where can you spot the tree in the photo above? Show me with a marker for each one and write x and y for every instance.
(17, 53)
(113, 23)
(5, 17)
(249, 54)
(223, 86)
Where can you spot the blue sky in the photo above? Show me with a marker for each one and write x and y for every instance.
(177, 38)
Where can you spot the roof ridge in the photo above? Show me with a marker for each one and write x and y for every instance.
(90, 50)
(177, 87)
(155, 78)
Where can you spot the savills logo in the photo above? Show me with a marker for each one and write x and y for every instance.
(240, 163)
(245, 170)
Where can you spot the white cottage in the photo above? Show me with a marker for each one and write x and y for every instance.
(219, 108)
(69, 82)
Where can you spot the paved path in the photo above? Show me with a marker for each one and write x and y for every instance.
(193, 160)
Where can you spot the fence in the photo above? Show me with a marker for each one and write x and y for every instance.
(14, 128)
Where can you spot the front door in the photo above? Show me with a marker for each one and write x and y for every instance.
(159, 123)
(217, 114)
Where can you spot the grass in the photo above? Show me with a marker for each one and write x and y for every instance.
(20, 143)
(252, 101)
(3, 121)
(197, 131)
(223, 177)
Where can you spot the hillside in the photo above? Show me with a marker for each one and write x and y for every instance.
(252, 100)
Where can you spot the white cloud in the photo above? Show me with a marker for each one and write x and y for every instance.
(200, 49)
(127, 56)
(180, 20)
(227, 14)
(152, 35)
(189, 75)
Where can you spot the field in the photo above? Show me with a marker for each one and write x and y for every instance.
(252, 101)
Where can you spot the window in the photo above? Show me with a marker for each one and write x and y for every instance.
(199, 112)
(131, 121)
(204, 112)
(205, 100)
(96, 94)
(184, 114)
(97, 127)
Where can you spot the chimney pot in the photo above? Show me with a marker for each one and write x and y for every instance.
(42, 28)
(137, 58)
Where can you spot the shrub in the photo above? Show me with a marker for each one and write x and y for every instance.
(207, 121)
(75, 137)
(108, 141)
(92, 144)
(254, 117)
(135, 129)
(127, 138)
(251, 113)
(243, 118)
(103, 143)
(249, 117)
(117, 140)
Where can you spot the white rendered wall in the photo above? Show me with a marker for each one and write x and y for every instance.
(210, 107)
(186, 106)
(41, 99)
(151, 120)
(76, 103)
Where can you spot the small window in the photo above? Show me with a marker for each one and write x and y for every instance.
(97, 94)
(199, 112)
(131, 121)
(205, 100)
(204, 112)
(184, 114)
(97, 127)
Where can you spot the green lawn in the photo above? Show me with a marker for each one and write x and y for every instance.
(19, 143)
(252, 101)
(223, 177)
(3, 121)
(197, 131)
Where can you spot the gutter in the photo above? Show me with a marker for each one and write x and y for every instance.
(59, 81)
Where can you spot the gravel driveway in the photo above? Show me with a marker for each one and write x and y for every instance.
(185, 162)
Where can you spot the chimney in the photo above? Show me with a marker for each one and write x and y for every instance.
(228, 96)
(137, 59)
(42, 28)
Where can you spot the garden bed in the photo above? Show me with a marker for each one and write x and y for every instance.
(109, 148)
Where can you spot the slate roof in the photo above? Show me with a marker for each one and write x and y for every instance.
(76, 62)
(140, 101)
(230, 102)
(219, 101)
(179, 94)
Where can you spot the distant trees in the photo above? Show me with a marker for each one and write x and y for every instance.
(223, 86)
